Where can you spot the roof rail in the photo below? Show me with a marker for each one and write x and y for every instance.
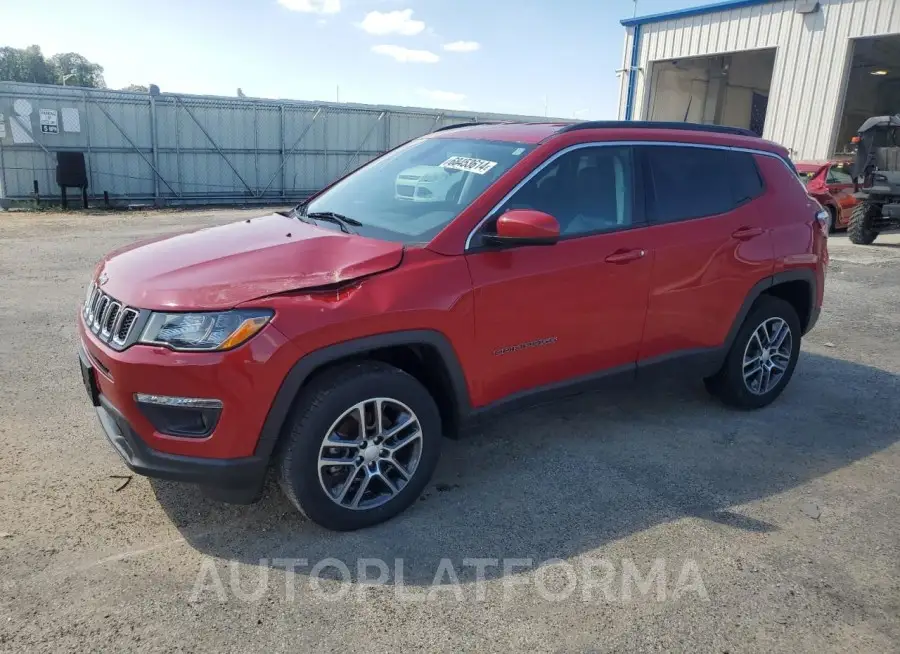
(471, 124)
(652, 124)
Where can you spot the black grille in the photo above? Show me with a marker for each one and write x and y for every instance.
(405, 190)
(100, 309)
(111, 316)
(127, 321)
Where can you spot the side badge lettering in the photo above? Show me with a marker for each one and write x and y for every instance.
(524, 346)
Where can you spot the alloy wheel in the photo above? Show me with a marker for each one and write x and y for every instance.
(370, 453)
(767, 355)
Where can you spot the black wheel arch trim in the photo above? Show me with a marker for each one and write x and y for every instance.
(310, 363)
(307, 365)
(706, 361)
(800, 274)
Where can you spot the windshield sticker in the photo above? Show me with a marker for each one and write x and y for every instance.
(518, 151)
(468, 164)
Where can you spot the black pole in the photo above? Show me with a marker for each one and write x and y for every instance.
(106, 199)
(65, 200)
(37, 194)
(84, 201)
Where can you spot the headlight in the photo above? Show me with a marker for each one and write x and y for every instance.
(204, 331)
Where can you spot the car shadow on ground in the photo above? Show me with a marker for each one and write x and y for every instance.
(558, 480)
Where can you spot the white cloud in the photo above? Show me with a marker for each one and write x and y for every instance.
(446, 97)
(462, 46)
(312, 6)
(405, 55)
(392, 22)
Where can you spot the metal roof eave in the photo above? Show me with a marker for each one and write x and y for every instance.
(694, 11)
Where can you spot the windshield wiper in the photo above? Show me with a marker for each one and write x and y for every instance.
(344, 222)
(299, 214)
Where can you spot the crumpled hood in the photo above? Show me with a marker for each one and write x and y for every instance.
(221, 267)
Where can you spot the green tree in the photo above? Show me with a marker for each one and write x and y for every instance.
(71, 69)
(10, 64)
(26, 65)
(30, 65)
(136, 88)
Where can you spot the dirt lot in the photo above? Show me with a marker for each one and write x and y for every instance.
(773, 530)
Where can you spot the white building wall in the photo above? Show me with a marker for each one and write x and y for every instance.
(813, 55)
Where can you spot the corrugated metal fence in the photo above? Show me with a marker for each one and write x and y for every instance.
(187, 149)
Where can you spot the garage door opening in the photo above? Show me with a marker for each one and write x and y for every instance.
(730, 89)
(873, 86)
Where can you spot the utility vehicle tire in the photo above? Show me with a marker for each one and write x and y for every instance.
(762, 358)
(362, 443)
(860, 230)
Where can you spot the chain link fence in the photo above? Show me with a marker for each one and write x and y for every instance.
(176, 149)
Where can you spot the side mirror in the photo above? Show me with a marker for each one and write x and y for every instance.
(524, 227)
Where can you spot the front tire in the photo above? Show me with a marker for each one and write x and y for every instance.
(363, 442)
(860, 230)
(762, 358)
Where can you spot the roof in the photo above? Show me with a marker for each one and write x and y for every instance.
(694, 11)
(612, 130)
(880, 121)
(515, 132)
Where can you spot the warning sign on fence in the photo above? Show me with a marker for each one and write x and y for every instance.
(49, 121)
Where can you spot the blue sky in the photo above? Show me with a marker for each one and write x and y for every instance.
(516, 56)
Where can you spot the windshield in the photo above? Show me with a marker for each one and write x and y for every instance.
(412, 193)
(806, 175)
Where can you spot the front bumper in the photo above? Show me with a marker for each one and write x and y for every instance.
(232, 480)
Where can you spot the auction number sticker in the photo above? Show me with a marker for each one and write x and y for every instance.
(469, 165)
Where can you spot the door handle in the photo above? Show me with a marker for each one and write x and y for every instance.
(624, 256)
(746, 233)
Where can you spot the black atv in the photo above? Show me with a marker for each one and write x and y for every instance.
(877, 166)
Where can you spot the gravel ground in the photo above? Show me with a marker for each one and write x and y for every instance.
(645, 518)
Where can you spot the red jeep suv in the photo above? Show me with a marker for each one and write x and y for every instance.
(465, 271)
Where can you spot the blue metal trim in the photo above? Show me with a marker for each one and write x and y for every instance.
(632, 72)
(694, 11)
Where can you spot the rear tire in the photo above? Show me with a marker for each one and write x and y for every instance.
(832, 221)
(326, 426)
(736, 383)
(860, 230)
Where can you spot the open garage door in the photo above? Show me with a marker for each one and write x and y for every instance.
(730, 89)
(873, 86)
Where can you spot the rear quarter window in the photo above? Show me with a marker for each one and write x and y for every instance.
(746, 182)
(695, 182)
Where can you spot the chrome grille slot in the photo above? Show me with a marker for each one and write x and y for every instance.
(109, 319)
(128, 316)
(93, 304)
(112, 313)
(92, 290)
(99, 310)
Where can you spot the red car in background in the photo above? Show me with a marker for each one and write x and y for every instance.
(831, 184)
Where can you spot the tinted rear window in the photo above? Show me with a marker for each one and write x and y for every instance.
(746, 183)
(691, 182)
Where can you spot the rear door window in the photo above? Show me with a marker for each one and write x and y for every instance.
(695, 182)
(839, 174)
